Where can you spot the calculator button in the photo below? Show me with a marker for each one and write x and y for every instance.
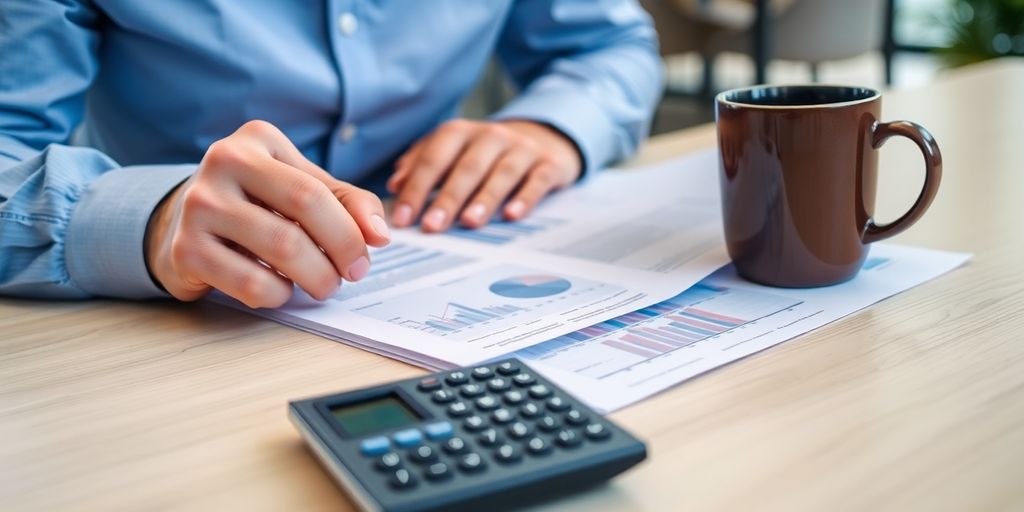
(514, 397)
(538, 446)
(472, 390)
(459, 409)
(507, 454)
(474, 423)
(540, 391)
(487, 403)
(429, 384)
(439, 430)
(456, 378)
(471, 462)
(442, 396)
(489, 437)
(523, 379)
(557, 403)
(437, 471)
(498, 384)
(508, 368)
(530, 410)
(389, 461)
(407, 438)
(423, 453)
(575, 417)
(454, 445)
(568, 438)
(548, 423)
(482, 373)
(502, 416)
(402, 479)
(597, 431)
(374, 445)
(519, 430)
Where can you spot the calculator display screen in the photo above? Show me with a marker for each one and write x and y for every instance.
(375, 415)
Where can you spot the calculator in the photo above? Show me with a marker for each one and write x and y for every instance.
(493, 436)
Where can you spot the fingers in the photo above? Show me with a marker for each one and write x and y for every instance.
(309, 202)
(280, 243)
(541, 180)
(431, 164)
(402, 168)
(244, 279)
(465, 177)
(367, 211)
(504, 176)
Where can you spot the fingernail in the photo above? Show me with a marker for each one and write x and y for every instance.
(402, 215)
(434, 219)
(476, 212)
(380, 226)
(359, 269)
(515, 209)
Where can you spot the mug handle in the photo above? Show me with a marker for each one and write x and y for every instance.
(880, 132)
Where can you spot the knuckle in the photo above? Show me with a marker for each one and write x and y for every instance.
(258, 128)
(456, 126)
(198, 202)
(431, 161)
(307, 195)
(285, 242)
(472, 165)
(506, 171)
(252, 289)
(221, 155)
(545, 174)
(497, 131)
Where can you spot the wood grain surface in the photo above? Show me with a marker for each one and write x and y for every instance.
(916, 403)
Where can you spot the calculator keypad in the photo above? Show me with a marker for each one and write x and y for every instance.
(495, 415)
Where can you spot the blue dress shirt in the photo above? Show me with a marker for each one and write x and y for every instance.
(107, 105)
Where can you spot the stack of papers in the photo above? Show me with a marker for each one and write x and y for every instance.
(602, 289)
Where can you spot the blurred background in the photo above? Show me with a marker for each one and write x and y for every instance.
(712, 45)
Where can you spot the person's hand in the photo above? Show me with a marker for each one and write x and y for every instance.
(256, 217)
(477, 166)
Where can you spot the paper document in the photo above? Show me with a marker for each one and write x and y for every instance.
(617, 243)
(723, 318)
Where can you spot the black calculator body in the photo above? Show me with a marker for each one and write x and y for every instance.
(490, 437)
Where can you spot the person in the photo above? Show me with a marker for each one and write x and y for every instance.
(176, 147)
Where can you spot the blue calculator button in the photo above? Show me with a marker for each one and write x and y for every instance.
(439, 430)
(407, 438)
(374, 445)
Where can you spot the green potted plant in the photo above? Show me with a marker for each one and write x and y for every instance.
(984, 29)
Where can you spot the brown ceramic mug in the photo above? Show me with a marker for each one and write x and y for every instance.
(799, 167)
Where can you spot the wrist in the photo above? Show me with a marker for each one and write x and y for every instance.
(154, 241)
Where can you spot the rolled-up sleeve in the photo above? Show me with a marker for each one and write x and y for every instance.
(589, 68)
(72, 221)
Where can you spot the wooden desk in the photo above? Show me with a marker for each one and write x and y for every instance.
(915, 403)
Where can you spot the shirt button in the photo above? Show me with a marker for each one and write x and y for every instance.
(348, 23)
(348, 132)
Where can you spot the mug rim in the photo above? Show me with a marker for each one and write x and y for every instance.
(720, 98)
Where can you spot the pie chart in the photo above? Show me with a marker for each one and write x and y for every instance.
(530, 287)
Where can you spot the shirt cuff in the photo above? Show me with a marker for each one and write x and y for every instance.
(574, 115)
(104, 245)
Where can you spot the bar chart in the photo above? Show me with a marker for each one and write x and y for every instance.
(500, 232)
(400, 263)
(700, 313)
(500, 299)
(457, 316)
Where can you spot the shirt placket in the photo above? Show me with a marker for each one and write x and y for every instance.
(353, 59)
